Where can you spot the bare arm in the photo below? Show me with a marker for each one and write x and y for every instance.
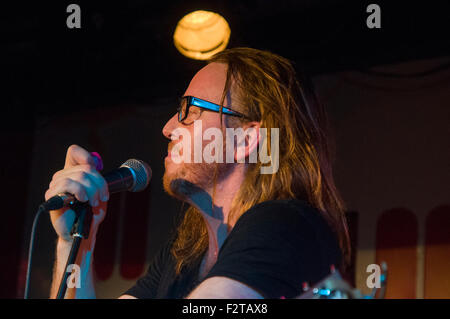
(127, 297)
(80, 178)
(219, 288)
(82, 283)
(223, 288)
(87, 288)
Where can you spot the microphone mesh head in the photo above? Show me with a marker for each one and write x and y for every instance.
(142, 172)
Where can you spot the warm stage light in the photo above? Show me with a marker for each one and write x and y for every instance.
(201, 34)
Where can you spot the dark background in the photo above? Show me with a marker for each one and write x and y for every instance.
(122, 64)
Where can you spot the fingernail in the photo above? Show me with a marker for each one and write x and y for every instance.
(98, 161)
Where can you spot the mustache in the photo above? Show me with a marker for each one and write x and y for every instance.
(172, 143)
(169, 147)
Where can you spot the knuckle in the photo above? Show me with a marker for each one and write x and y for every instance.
(104, 183)
(81, 175)
(99, 178)
(68, 183)
(71, 149)
(77, 189)
(90, 170)
(55, 175)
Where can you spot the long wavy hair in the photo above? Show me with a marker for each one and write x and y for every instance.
(270, 92)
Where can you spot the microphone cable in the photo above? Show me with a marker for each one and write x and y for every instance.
(39, 212)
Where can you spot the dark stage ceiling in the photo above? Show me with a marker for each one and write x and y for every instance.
(124, 51)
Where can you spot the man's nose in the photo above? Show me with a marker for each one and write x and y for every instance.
(171, 124)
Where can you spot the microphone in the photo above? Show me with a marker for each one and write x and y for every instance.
(133, 176)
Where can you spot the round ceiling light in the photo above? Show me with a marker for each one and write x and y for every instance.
(201, 34)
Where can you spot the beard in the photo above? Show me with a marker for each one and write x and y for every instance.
(185, 179)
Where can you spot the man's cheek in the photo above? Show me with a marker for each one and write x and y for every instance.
(181, 151)
(198, 141)
(213, 150)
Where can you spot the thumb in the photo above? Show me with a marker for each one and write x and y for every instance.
(76, 155)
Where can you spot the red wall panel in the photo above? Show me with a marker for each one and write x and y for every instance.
(396, 244)
(437, 253)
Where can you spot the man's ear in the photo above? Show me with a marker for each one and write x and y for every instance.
(247, 143)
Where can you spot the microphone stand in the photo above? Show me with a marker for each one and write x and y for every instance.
(80, 230)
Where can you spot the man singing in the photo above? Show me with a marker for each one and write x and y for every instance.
(248, 232)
